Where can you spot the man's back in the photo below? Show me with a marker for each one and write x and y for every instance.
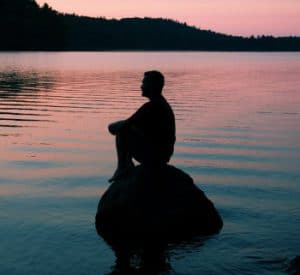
(156, 121)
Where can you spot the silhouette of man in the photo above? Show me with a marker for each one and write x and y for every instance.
(148, 135)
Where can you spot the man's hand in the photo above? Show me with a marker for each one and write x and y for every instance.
(115, 127)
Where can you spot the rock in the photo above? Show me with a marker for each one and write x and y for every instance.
(142, 214)
(294, 267)
(161, 204)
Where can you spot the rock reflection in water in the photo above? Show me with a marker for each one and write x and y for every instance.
(149, 210)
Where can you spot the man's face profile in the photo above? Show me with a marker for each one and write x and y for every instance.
(146, 87)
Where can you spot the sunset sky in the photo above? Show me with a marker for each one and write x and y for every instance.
(242, 17)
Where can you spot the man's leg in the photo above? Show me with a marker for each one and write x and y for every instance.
(124, 156)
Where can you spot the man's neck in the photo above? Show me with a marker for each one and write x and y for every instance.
(155, 97)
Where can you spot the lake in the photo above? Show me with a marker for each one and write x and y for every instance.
(238, 136)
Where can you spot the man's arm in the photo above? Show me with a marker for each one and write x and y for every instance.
(115, 127)
(133, 121)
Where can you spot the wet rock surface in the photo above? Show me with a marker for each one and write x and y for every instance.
(161, 204)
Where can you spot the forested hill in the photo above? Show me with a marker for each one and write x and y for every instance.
(27, 26)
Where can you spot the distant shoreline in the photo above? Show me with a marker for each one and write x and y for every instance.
(28, 27)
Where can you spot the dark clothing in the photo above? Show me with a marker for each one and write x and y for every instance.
(152, 131)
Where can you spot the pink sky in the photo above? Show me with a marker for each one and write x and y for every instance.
(241, 17)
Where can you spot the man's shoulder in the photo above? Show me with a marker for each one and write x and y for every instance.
(158, 106)
(160, 101)
(145, 107)
(165, 104)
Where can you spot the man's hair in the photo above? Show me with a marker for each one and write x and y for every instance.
(157, 79)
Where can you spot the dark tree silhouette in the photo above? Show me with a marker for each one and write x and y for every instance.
(27, 26)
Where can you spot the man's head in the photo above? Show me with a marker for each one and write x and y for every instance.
(153, 84)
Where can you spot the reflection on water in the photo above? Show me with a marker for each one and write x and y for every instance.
(12, 82)
(238, 135)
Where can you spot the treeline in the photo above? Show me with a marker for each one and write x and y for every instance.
(27, 26)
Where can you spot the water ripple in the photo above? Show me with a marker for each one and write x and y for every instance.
(238, 136)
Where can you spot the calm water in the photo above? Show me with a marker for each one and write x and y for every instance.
(238, 135)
